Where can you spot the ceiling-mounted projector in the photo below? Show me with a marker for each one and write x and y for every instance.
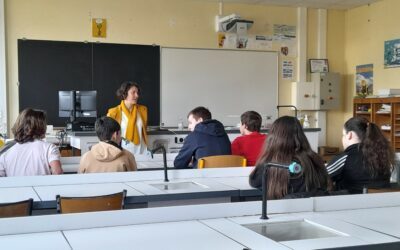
(232, 23)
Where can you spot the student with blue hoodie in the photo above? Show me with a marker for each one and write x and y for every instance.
(208, 138)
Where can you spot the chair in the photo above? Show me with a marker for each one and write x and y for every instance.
(16, 209)
(222, 161)
(91, 204)
(382, 190)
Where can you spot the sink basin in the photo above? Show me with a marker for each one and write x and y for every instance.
(179, 185)
(292, 230)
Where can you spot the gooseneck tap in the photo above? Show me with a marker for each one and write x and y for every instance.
(164, 152)
(294, 167)
(288, 106)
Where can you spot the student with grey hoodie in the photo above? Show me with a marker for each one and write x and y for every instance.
(107, 155)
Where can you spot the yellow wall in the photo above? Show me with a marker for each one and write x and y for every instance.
(367, 28)
(176, 23)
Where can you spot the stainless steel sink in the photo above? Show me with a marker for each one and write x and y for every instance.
(179, 185)
(292, 230)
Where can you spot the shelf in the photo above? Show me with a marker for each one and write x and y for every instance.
(383, 112)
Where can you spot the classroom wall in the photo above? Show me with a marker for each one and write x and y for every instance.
(175, 23)
(367, 28)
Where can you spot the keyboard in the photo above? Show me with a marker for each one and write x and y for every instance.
(84, 133)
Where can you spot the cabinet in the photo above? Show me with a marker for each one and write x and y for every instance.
(385, 113)
(322, 93)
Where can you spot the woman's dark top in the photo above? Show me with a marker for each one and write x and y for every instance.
(296, 181)
(347, 170)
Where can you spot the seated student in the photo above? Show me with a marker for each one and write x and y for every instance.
(107, 155)
(30, 155)
(208, 137)
(367, 159)
(249, 145)
(287, 143)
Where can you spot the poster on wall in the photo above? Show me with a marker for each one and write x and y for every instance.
(364, 80)
(287, 69)
(284, 32)
(260, 42)
(392, 53)
(285, 38)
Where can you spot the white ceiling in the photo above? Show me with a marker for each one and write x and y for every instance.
(320, 4)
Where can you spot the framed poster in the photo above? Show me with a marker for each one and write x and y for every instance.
(364, 80)
(319, 65)
(392, 53)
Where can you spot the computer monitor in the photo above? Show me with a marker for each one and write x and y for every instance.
(74, 104)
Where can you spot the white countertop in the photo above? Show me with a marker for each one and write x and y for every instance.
(143, 161)
(42, 241)
(173, 235)
(385, 220)
(184, 185)
(15, 194)
(214, 226)
(121, 177)
(48, 193)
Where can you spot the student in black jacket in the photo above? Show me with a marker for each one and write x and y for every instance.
(287, 143)
(367, 160)
(208, 137)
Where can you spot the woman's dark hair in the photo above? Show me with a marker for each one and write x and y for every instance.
(378, 155)
(30, 125)
(200, 112)
(252, 120)
(105, 127)
(287, 143)
(122, 91)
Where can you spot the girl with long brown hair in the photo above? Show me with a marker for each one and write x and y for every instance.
(287, 143)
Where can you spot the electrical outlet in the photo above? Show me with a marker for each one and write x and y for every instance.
(179, 140)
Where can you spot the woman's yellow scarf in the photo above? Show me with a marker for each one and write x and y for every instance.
(132, 133)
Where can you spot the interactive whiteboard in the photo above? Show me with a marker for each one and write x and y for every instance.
(228, 82)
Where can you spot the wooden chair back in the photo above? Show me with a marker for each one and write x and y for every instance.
(222, 161)
(91, 204)
(16, 209)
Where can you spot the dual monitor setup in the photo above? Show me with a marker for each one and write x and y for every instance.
(78, 106)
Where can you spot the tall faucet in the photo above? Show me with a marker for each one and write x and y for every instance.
(288, 106)
(164, 152)
(294, 167)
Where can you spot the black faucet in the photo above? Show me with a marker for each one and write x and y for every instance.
(164, 152)
(288, 106)
(294, 167)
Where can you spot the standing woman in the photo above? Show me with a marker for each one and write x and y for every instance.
(367, 160)
(131, 116)
(287, 143)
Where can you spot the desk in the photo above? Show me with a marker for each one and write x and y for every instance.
(241, 183)
(385, 220)
(173, 140)
(138, 185)
(17, 194)
(201, 191)
(198, 228)
(174, 235)
(144, 162)
(48, 194)
(43, 241)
